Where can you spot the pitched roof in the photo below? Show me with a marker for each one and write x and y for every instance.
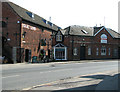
(26, 15)
(79, 30)
(88, 31)
(114, 33)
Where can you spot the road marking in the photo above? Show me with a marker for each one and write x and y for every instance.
(56, 70)
(11, 76)
(29, 88)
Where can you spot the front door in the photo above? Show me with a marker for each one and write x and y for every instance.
(82, 52)
(28, 55)
(60, 53)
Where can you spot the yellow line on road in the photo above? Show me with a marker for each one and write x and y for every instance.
(29, 88)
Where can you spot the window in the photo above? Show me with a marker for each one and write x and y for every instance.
(97, 51)
(50, 23)
(115, 53)
(3, 24)
(58, 37)
(43, 42)
(89, 50)
(103, 51)
(75, 51)
(84, 31)
(30, 14)
(109, 51)
(45, 21)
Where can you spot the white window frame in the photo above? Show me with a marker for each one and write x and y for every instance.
(89, 50)
(103, 51)
(58, 37)
(75, 51)
(97, 51)
(109, 50)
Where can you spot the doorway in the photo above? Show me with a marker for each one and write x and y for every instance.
(27, 55)
(119, 52)
(82, 52)
(60, 52)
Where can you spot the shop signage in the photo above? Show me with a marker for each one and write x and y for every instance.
(103, 38)
(28, 27)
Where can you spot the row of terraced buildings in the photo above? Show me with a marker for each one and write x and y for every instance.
(26, 36)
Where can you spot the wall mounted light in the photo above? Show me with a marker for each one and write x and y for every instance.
(8, 39)
(18, 22)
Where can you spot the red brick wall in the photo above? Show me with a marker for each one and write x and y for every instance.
(11, 18)
(33, 36)
(93, 42)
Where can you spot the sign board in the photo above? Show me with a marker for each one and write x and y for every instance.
(103, 38)
(28, 27)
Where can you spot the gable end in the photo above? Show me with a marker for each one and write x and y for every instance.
(101, 30)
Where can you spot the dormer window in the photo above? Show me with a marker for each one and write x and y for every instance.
(33, 15)
(84, 31)
(58, 37)
(45, 21)
(30, 14)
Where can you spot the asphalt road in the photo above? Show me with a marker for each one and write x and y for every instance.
(24, 76)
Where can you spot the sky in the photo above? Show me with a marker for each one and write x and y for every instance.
(65, 13)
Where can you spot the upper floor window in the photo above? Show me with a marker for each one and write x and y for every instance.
(58, 37)
(30, 14)
(43, 42)
(3, 24)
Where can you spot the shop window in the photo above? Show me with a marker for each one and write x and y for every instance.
(103, 51)
(97, 51)
(89, 50)
(109, 51)
(58, 37)
(75, 51)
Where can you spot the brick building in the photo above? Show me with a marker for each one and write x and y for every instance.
(80, 42)
(24, 34)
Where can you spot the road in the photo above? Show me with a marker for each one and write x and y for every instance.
(24, 76)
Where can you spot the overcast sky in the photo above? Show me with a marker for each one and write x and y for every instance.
(75, 12)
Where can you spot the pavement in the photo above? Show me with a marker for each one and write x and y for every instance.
(59, 62)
